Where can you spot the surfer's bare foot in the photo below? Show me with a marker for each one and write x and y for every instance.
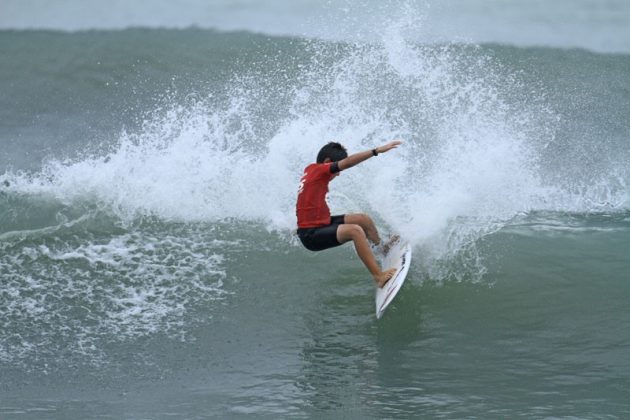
(385, 276)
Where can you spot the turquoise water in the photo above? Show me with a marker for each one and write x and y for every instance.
(148, 262)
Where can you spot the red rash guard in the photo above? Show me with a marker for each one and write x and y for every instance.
(312, 210)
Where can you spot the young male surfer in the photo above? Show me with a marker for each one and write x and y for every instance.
(317, 229)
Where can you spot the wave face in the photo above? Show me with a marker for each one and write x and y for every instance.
(147, 192)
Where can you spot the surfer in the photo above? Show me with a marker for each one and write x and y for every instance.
(318, 230)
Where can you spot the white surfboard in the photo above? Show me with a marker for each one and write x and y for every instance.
(399, 257)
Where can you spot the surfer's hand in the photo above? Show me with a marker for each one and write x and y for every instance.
(389, 146)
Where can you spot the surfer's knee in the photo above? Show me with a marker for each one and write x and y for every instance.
(350, 232)
(356, 232)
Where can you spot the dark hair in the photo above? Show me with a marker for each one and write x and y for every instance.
(333, 151)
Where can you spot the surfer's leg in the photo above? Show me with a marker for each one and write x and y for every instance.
(354, 232)
(366, 223)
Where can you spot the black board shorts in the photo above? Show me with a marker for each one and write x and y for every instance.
(323, 237)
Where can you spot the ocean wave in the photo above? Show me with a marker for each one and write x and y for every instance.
(482, 145)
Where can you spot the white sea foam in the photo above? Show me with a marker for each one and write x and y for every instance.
(74, 292)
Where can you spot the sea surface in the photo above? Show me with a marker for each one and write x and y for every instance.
(149, 162)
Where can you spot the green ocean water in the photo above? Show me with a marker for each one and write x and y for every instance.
(149, 269)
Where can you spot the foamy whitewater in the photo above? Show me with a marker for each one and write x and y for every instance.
(148, 257)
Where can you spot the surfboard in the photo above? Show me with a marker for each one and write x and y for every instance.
(399, 257)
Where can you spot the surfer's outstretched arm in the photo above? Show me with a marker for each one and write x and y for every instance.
(357, 158)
